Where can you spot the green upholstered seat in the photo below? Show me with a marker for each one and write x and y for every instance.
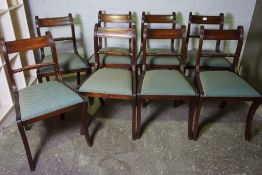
(115, 49)
(206, 61)
(109, 81)
(66, 61)
(225, 84)
(166, 82)
(160, 60)
(112, 59)
(44, 98)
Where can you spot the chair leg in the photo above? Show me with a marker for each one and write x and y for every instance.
(102, 101)
(40, 79)
(223, 104)
(196, 120)
(26, 146)
(84, 125)
(138, 118)
(78, 78)
(249, 119)
(192, 108)
(134, 122)
(47, 78)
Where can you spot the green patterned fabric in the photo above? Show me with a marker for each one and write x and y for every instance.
(111, 59)
(160, 60)
(114, 49)
(166, 82)
(44, 98)
(66, 61)
(225, 84)
(206, 61)
(109, 81)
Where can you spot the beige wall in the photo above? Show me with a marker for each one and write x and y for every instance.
(237, 12)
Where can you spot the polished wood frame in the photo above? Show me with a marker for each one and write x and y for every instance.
(130, 34)
(237, 35)
(148, 19)
(175, 34)
(31, 44)
(103, 20)
(56, 22)
(205, 20)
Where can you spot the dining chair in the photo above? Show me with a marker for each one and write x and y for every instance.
(193, 34)
(116, 81)
(107, 47)
(69, 59)
(165, 83)
(224, 85)
(44, 100)
(161, 21)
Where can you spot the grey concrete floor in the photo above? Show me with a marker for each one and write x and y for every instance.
(164, 148)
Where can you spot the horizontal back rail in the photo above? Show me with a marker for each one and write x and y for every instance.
(164, 33)
(103, 32)
(211, 34)
(147, 18)
(27, 44)
(203, 19)
(51, 22)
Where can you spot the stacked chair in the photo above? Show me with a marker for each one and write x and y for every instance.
(158, 21)
(212, 22)
(70, 61)
(115, 70)
(110, 56)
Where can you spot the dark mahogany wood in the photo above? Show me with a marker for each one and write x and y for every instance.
(205, 20)
(66, 21)
(237, 35)
(130, 34)
(23, 46)
(174, 34)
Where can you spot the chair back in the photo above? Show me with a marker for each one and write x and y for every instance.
(148, 19)
(205, 20)
(226, 35)
(24, 45)
(175, 34)
(119, 19)
(116, 33)
(57, 22)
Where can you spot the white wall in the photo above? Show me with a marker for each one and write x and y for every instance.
(237, 12)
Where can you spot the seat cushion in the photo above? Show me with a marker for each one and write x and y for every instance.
(115, 49)
(160, 60)
(44, 98)
(166, 82)
(111, 59)
(66, 61)
(225, 84)
(206, 61)
(109, 81)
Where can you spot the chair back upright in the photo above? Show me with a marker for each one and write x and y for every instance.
(226, 35)
(117, 33)
(57, 22)
(174, 34)
(104, 19)
(148, 19)
(25, 45)
(204, 20)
